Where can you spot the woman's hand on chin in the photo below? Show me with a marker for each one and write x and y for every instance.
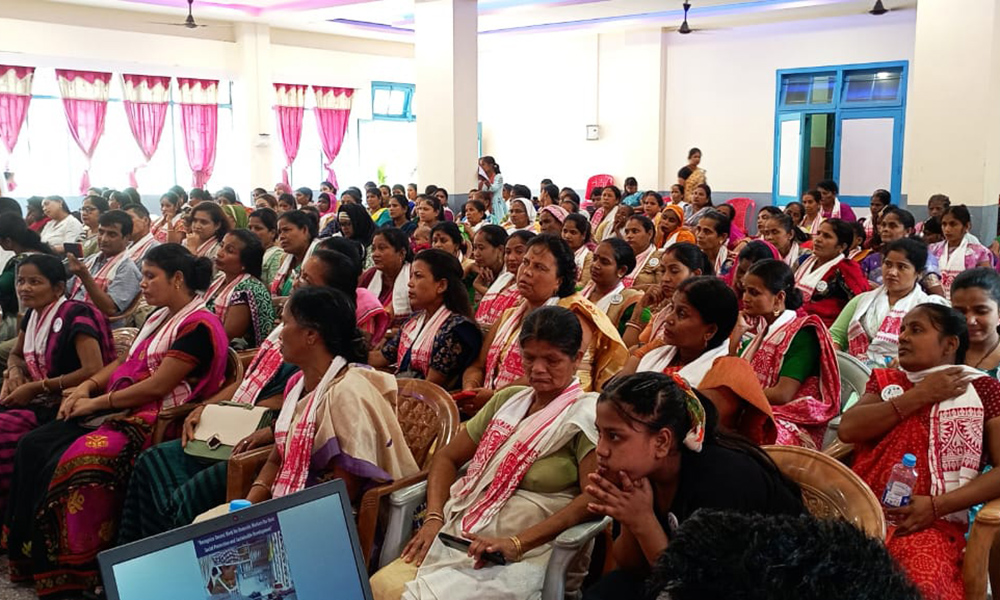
(630, 502)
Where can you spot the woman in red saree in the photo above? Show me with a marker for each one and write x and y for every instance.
(793, 356)
(828, 279)
(70, 475)
(945, 414)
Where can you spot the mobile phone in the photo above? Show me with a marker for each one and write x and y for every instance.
(457, 543)
(74, 249)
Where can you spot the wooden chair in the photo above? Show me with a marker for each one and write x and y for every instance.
(830, 489)
(174, 416)
(126, 315)
(123, 339)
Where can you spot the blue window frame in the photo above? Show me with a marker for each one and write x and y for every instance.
(848, 93)
(392, 101)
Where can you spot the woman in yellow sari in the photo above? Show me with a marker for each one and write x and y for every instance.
(691, 175)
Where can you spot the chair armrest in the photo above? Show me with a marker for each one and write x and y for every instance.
(167, 417)
(564, 549)
(403, 504)
(975, 565)
(243, 469)
(839, 450)
(369, 508)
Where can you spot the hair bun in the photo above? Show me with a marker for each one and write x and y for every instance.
(201, 274)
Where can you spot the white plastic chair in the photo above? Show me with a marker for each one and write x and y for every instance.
(854, 376)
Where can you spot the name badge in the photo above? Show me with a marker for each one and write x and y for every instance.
(617, 299)
(654, 262)
(892, 391)
(57, 325)
(821, 287)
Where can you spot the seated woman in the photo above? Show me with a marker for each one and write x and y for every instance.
(170, 226)
(976, 295)
(297, 238)
(712, 234)
(750, 254)
(737, 237)
(551, 219)
(356, 224)
(60, 344)
(680, 261)
(372, 318)
(62, 228)
(69, 479)
(662, 457)
(700, 201)
(168, 488)
(652, 206)
(868, 328)
(671, 229)
(503, 293)
(90, 213)
(896, 224)
(263, 223)
(605, 218)
(447, 236)
(694, 343)
(796, 211)
(793, 356)
(238, 297)
(208, 227)
(474, 219)
(337, 421)
(440, 339)
(16, 237)
(531, 450)
(389, 277)
(547, 277)
(487, 251)
(613, 259)
(956, 252)
(648, 268)
(576, 232)
(522, 215)
(915, 409)
(401, 214)
(780, 231)
(827, 280)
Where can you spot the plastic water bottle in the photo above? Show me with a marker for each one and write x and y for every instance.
(899, 488)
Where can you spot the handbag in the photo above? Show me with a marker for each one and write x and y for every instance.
(222, 426)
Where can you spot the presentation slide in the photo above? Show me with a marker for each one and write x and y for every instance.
(302, 553)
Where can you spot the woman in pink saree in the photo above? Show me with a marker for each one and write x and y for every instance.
(70, 475)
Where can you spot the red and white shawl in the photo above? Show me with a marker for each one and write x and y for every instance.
(640, 264)
(262, 368)
(873, 333)
(512, 442)
(720, 260)
(399, 299)
(956, 429)
(163, 328)
(285, 269)
(503, 359)
(417, 338)
(159, 229)
(807, 278)
(137, 250)
(36, 339)
(103, 277)
(296, 451)
(497, 299)
(220, 294)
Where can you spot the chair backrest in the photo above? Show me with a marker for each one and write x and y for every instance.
(123, 339)
(128, 312)
(234, 368)
(854, 376)
(829, 489)
(428, 416)
(597, 181)
(745, 211)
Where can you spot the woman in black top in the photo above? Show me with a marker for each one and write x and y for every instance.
(660, 458)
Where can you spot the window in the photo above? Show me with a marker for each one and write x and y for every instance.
(48, 161)
(873, 87)
(392, 101)
(807, 89)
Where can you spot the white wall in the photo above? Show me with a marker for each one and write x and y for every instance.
(721, 86)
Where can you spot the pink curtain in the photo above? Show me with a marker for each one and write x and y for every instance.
(333, 111)
(289, 108)
(199, 100)
(146, 100)
(15, 96)
(85, 100)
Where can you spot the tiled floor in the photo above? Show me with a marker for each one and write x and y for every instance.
(10, 591)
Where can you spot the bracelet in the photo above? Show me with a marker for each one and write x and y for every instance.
(260, 483)
(45, 388)
(934, 509)
(111, 403)
(434, 517)
(60, 383)
(899, 412)
(93, 381)
(517, 548)
(633, 324)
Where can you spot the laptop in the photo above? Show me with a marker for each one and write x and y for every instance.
(300, 547)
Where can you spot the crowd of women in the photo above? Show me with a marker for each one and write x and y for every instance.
(626, 356)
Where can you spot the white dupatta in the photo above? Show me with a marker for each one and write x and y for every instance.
(878, 324)
(609, 229)
(36, 338)
(784, 319)
(952, 263)
(400, 291)
(807, 278)
(659, 359)
(604, 302)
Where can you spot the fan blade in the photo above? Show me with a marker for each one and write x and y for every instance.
(878, 9)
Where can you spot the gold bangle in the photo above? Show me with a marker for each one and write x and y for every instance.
(260, 483)
(111, 403)
(432, 516)
(517, 548)
(45, 388)
(60, 383)
(93, 381)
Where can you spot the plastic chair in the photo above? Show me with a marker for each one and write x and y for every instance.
(597, 181)
(854, 376)
(830, 489)
(745, 211)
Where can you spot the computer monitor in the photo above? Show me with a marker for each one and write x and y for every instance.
(300, 547)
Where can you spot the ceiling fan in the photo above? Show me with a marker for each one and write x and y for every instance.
(189, 22)
(879, 9)
(685, 29)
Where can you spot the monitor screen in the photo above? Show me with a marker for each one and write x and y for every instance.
(298, 553)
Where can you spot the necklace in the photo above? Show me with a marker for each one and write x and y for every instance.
(988, 354)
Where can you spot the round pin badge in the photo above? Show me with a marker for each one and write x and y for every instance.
(892, 391)
(654, 262)
(821, 287)
(57, 325)
(617, 299)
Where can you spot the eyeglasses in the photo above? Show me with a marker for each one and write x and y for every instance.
(88, 209)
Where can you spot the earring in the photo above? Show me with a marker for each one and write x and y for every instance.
(778, 311)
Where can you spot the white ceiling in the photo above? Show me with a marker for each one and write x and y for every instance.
(393, 19)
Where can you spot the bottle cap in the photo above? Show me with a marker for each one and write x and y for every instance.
(235, 505)
(909, 461)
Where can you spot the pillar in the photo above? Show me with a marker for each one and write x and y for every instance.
(447, 58)
(253, 112)
(953, 115)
